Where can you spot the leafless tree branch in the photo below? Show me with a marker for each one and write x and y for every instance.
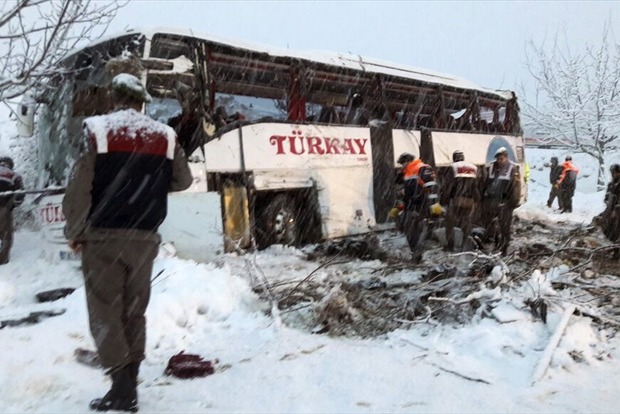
(581, 101)
(35, 35)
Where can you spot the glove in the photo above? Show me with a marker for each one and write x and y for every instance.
(437, 209)
(394, 212)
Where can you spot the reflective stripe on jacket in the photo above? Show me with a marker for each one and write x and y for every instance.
(499, 180)
(420, 184)
(461, 181)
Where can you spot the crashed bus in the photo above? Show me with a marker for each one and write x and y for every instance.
(285, 147)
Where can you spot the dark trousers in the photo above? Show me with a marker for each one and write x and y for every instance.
(461, 213)
(117, 278)
(497, 220)
(555, 192)
(414, 228)
(6, 233)
(566, 199)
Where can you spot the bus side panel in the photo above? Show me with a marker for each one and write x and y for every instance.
(273, 146)
(194, 225)
(406, 141)
(345, 200)
(474, 146)
(337, 159)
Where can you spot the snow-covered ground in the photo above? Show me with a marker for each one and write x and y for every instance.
(264, 366)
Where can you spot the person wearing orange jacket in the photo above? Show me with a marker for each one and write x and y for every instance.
(567, 183)
(421, 200)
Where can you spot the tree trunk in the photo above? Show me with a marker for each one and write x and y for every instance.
(600, 178)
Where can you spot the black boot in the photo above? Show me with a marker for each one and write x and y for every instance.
(123, 395)
(134, 370)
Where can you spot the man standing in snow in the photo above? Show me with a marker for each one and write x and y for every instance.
(555, 171)
(115, 201)
(609, 220)
(501, 195)
(461, 195)
(567, 183)
(9, 181)
(421, 200)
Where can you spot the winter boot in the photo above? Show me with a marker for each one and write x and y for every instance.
(134, 370)
(123, 395)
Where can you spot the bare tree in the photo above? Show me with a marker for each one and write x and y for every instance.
(577, 97)
(36, 34)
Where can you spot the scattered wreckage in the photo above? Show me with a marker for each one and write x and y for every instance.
(550, 270)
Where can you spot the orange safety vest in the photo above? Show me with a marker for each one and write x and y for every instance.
(412, 171)
(567, 166)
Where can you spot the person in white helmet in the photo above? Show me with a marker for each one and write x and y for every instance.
(501, 192)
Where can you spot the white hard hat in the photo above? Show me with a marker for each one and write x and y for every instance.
(501, 150)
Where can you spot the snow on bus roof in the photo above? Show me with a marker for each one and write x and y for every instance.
(346, 60)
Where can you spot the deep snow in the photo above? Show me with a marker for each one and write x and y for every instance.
(210, 309)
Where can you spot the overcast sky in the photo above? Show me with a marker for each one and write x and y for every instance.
(481, 41)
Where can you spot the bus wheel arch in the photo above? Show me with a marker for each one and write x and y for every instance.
(286, 217)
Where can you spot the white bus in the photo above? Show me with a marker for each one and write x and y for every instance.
(286, 147)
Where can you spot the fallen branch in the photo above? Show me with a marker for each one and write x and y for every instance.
(275, 311)
(305, 279)
(545, 360)
(31, 319)
(597, 318)
(458, 374)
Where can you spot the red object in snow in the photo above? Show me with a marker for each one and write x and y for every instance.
(189, 366)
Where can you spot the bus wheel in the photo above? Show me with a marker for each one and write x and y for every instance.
(277, 223)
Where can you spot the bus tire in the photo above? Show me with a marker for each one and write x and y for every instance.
(277, 223)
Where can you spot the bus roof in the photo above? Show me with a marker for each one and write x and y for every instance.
(344, 60)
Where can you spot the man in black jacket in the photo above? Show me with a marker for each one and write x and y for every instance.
(555, 170)
(461, 195)
(115, 201)
(9, 181)
(609, 220)
(501, 194)
(420, 197)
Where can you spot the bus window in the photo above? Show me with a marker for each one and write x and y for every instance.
(163, 109)
(249, 108)
(168, 47)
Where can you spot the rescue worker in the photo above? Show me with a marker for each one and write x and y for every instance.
(460, 194)
(501, 192)
(566, 184)
(420, 198)
(555, 171)
(114, 203)
(526, 180)
(188, 124)
(9, 181)
(609, 220)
